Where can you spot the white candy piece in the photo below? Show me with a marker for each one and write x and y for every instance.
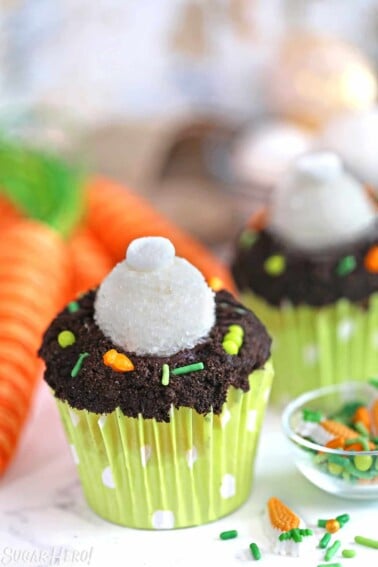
(354, 137)
(154, 303)
(262, 156)
(318, 205)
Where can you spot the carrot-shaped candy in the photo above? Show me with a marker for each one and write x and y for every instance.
(374, 417)
(286, 530)
(338, 429)
(117, 216)
(362, 417)
(34, 284)
(90, 261)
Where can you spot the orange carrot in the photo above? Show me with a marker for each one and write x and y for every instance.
(362, 415)
(117, 216)
(281, 517)
(374, 416)
(338, 429)
(90, 261)
(8, 212)
(336, 443)
(34, 285)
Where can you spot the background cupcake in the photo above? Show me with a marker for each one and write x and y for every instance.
(162, 386)
(310, 272)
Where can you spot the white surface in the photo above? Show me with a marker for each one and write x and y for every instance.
(42, 511)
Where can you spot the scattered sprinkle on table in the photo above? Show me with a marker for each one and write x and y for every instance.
(330, 565)
(230, 534)
(367, 542)
(255, 551)
(331, 551)
(325, 540)
(348, 553)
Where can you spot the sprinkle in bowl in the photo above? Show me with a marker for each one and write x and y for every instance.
(333, 434)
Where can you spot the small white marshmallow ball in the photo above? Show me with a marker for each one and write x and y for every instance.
(318, 205)
(154, 303)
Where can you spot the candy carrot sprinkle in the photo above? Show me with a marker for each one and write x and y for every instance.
(374, 417)
(338, 429)
(281, 517)
(362, 415)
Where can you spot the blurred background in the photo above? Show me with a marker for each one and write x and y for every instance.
(186, 101)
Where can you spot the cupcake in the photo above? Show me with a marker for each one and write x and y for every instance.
(310, 272)
(162, 385)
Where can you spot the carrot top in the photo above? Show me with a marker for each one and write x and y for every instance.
(42, 186)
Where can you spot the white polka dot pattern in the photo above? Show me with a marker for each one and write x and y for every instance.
(107, 478)
(191, 457)
(228, 486)
(163, 520)
(145, 454)
(345, 329)
(74, 417)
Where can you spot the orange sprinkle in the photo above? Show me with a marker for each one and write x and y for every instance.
(338, 429)
(281, 517)
(117, 361)
(362, 414)
(216, 283)
(336, 443)
(371, 260)
(259, 219)
(374, 417)
(332, 526)
(359, 447)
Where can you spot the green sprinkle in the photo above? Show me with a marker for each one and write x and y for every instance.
(189, 368)
(230, 534)
(73, 306)
(373, 382)
(296, 535)
(331, 551)
(323, 543)
(363, 462)
(322, 523)
(306, 532)
(346, 265)
(361, 428)
(247, 239)
(367, 542)
(343, 519)
(275, 265)
(66, 339)
(165, 375)
(348, 553)
(76, 369)
(330, 565)
(237, 339)
(310, 415)
(230, 347)
(236, 329)
(335, 469)
(240, 310)
(362, 440)
(255, 551)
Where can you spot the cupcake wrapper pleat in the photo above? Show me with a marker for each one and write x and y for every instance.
(147, 474)
(314, 347)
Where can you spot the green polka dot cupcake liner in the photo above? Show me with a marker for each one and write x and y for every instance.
(314, 347)
(195, 469)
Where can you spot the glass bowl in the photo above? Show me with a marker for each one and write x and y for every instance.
(336, 471)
